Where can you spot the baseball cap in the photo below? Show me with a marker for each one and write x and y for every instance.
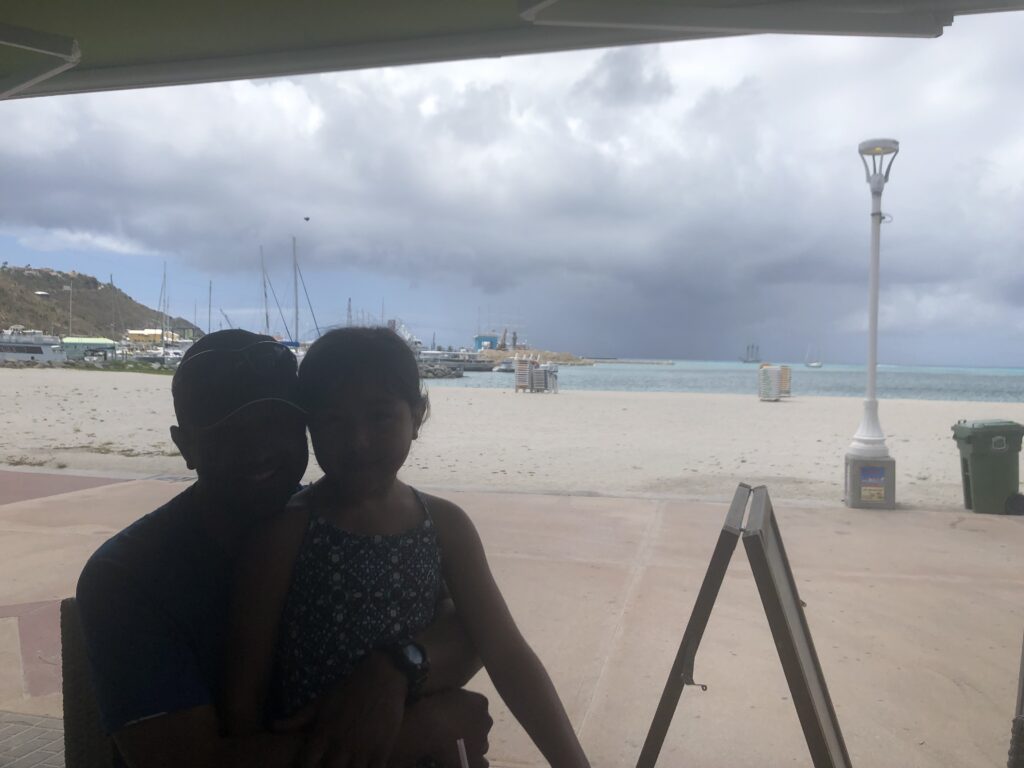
(227, 371)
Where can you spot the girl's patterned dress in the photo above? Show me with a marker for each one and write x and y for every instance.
(350, 594)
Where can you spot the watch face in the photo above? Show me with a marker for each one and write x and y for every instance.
(414, 654)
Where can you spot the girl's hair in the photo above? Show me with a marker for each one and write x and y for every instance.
(377, 354)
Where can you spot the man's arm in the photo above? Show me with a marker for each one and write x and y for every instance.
(192, 738)
(362, 719)
(453, 659)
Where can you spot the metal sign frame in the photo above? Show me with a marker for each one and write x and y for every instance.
(784, 610)
(1016, 757)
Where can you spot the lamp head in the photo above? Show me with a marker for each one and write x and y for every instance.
(878, 150)
(879, 147)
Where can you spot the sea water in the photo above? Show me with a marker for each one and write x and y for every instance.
(894, 381)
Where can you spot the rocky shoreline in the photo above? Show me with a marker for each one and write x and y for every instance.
(439, 371)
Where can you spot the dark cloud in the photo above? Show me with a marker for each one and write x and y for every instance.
(676, 200)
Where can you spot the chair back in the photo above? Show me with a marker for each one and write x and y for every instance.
(86, 744)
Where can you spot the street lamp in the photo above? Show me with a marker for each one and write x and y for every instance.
(71, 298)
(870, 471)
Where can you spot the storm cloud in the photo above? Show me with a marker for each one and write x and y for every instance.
(678, 200)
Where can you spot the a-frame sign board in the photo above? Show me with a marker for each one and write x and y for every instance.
(1017, 734)
(782, 605)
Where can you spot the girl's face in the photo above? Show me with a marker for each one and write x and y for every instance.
(362, 436)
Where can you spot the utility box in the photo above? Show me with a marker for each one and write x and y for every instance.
(870, 483)
(989, 463)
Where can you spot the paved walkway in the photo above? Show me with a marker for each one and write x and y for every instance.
(29, 741)
(916, 616)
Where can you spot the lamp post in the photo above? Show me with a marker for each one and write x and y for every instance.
(870, 471)
(71, 298)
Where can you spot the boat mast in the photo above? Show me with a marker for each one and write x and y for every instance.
(113, 310)
(266, 307)
(163, 316)
(295, 278)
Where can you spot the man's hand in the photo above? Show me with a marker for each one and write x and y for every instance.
(355, 724)
(433, 726)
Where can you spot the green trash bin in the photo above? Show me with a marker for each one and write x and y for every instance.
(989, 463)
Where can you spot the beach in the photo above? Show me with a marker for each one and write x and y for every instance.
(647, 444)
(599, 512)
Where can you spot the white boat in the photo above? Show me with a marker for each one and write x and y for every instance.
(169, 357)
(812, 360)
(18, 344)
(507, 365)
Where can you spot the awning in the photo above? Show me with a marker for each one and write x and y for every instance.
(71, 46)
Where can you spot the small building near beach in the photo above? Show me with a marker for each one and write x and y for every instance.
(152, 336)
(485, 341)
(80, 347)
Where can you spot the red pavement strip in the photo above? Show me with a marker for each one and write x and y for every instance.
(39, 638)
(22, 486)
(39, 623)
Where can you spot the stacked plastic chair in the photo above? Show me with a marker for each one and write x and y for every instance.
(785, 381)
(524, 374)
(769, 383)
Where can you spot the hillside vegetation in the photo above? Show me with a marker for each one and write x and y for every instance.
(35, 298)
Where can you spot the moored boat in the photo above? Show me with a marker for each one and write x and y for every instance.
(18, 344)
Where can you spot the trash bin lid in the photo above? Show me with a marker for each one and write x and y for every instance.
(967, 429)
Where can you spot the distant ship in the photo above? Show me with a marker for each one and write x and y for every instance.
(753, 354)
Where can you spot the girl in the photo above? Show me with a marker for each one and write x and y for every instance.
(359, 560)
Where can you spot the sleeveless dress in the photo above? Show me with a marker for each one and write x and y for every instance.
(350, 594)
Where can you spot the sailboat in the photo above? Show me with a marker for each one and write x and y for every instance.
(812, 359)
(753, 354)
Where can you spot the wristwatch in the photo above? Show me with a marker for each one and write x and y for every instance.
(411, 659)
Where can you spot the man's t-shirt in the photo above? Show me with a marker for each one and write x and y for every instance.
(154, 603)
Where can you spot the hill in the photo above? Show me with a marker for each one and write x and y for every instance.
(35, 298)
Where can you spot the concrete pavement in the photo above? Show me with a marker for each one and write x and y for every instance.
(917, 618)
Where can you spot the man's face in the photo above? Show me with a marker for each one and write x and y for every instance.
(252, 463)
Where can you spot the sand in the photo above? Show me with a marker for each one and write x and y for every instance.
(598, 514)
(665, 445)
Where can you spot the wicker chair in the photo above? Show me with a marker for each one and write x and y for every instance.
(86, 744)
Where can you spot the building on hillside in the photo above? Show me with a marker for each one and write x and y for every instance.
(153, 336)
(80, 347)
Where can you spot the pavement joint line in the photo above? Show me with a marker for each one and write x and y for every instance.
(640, 565)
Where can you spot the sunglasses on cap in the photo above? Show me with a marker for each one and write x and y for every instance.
(211, 386)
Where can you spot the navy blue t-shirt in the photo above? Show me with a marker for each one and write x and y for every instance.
(154, 603)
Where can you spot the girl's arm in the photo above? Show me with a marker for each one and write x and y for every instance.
(262, 580)
(514, 668)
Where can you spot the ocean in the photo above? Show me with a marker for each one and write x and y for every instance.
(1004, 385)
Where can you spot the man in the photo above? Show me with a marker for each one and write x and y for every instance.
(155, 598)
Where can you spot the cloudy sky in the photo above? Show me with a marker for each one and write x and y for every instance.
(677, 200)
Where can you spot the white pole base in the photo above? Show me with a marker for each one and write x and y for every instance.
(869, 442)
